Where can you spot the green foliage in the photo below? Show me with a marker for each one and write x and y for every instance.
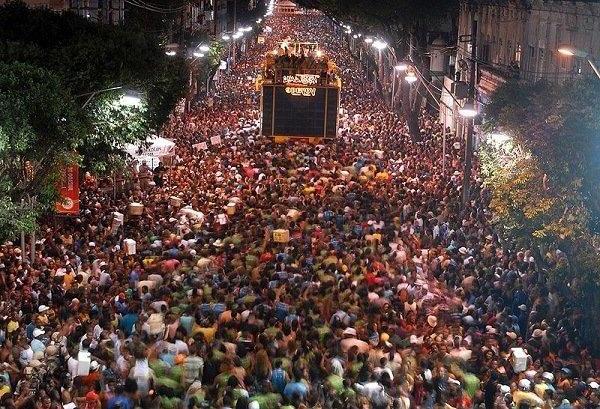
(90, 57)
(547, 194)
(559, 124)
(52, 63)
(40, 127)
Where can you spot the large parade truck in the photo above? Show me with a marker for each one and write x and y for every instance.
(300, 94)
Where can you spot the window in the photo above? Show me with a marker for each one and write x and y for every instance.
(518, 54)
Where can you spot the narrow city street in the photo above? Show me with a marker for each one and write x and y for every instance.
(249, 274)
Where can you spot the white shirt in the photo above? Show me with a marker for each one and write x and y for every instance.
(72, 364)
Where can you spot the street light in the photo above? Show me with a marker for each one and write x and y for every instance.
(171, 53)
(131, 98)
(198, 54)
(574, 52)
(468, 110)
(401, 67)
(237, 35)
(410, 77)
(204, 48)
(380, 45)
(128, 98)
(225, 37)
(369, 40)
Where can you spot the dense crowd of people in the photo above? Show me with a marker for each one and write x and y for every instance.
(387, 294)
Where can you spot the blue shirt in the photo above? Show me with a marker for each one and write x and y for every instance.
(293, 388)
(278, 379)
(120, 401)
(127, 323)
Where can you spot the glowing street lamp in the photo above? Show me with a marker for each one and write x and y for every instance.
(131, 98)
(198, 54)
(468, 110)
(171, 53)
(204, 48)
(401, 67)
(574, 52)
(410, 77)
(225, 37)
(379, 45)
(369, 40)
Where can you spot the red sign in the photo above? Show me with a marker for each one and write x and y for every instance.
(68, 189)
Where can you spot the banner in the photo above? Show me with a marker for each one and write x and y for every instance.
(68, 190)
(202, 146)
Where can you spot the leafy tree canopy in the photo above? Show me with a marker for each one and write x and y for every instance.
(90, 57)
(40, 128)
(51, 65)
(559, 124)
(545, 193)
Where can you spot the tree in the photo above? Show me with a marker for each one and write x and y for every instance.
(559, 124)
(405, 24)
(544, 194)
(40, 128)
(51, 112)
(88, 57)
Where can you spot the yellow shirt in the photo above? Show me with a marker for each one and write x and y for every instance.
(67, 281)
(208, 332)
(529, 397)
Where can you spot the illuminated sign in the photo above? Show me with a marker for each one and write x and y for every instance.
(304, 79)
(297, 91)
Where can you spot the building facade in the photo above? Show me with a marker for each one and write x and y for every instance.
(521, 38)
(101, 11)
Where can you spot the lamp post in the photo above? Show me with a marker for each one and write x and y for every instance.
(574, 52)
(368, 41)
(468, 112)
(379, 46)
(399, 67)
(129, 98)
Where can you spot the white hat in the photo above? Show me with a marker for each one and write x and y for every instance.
(432, 321)
(463, 250)
(504, 389)
(525, 384)
(254, 405)
(594, 385)
(548, 376)
(349, 331)
(37, 332)
(43, 308)
(94, 365)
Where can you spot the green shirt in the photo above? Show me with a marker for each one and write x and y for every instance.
(336, 382)
(471, 384)
(267, 400)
